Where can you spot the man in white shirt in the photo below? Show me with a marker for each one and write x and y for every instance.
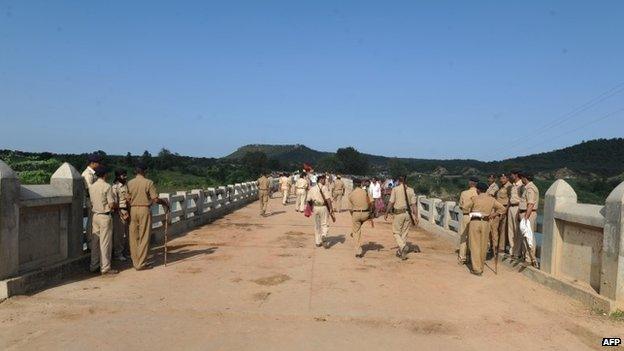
(374, 191)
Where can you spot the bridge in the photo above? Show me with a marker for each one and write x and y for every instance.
(236, 280)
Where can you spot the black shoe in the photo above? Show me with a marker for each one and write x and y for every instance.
(398, 253)
(144, 268)
(318, 245)
(404, 252)
(478, 274)
(110, 271)
(325, 243)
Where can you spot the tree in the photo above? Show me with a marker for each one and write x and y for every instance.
(354, 162)
(330, 164)
(255, 162)
(397, 168)
(166, 159)
(128, 160)
(146, 158)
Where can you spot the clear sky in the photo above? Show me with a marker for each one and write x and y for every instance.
(436, 79)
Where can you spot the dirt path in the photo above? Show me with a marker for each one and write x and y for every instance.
(248, 282)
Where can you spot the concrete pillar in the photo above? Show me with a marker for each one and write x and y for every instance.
(612, 274)
(559, 194)
(69, 182)
(9, 221)
(199, 202)
(433, 210)
(183, 205)
(446, 214)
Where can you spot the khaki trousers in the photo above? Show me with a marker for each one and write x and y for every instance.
(463, 237)
(284, 196)
(400, 228)
(120, 234)
(513, 231)
(264, 200)
(523, 250)
(478, 234)
(321, 223)
(140, 230)
(497, 233)
(357, 220)
(502, 232)
(337, 202)
(101, 242)
(301, 196)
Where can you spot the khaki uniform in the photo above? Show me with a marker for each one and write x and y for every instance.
(142, 193)
(284, 187)
(464, 201)
(337, 194)
(499, 224)
(401, 223)
(301, 186)
(320, 213)
(102, 203)
(264, 185)
(479, 229)
(513, 225)
(492, 189)
(530, 195)
(120, 219)
(88, 176)
(360, 213)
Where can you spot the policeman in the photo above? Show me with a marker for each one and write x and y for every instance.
(360, 212)
(318, 197)
(402, 200)
(264, 186)
(481, 209)
(528, 209)
(499, 224)
(121, 217)
(88, 176)
(142, 195)
(284, 183)
(103, 204)
(464, 200)
(301, 187)
(337, 193)
(493, 187)
(513, 221)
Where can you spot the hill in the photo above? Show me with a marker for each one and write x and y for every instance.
(285, 154)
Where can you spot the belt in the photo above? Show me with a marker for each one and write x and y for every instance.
(263, 189)
(140, 205)
(522, 211)
(486, 218)
(359, 210)
(300, 188)
(102, 213)
(318, 203)
(513, 205)
(403, 210)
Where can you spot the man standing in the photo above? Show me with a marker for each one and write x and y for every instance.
(528, 210)
(301, 187)
(337, 193)
(88, 175)
(374, 191)
(499, 224)
(142, 195)
(121, 217)
(284, 182)
(513, 228)
(318, 196)
(360, 212)
(103, 204)
(464, 201)
(481, 208)
(493, 187)
(264, 186)
(402, 200)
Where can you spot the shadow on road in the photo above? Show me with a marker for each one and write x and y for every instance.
(177, 253)
(333, 240)
(371, 246)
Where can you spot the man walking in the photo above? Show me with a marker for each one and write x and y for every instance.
(402, 201)
(121, 217)
(318, 196)
(360, 212)
(301, 187)
(464, 201)
(264, 186)
(103, 204)
(284, 182)
(142, 195)
(337, 193)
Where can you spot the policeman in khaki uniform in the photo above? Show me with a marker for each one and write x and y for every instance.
(464, 200)
(301, 187)
(264, 186)
(481, 209)
(400, 197)
(103, 204)
(121, 217)
(499, 224)
(513, 223)
(493, 187)
(360, 213)
(284, 183)
(528, 209)
(315, 196)
(88, 175)
(142, 195)
(337, 193)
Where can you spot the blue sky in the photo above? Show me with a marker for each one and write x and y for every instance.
(437, 79)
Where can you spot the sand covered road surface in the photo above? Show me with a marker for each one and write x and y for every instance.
(258, 283)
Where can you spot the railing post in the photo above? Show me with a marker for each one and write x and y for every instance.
(433, 208)
(183, 204)
(558, 194)
(446, 214)
(9, 222)
(199, 202)
(70, 183)
(612, 274)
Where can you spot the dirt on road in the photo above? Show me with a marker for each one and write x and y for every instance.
(258, 283)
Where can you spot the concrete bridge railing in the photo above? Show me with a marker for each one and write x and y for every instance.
(41, 226)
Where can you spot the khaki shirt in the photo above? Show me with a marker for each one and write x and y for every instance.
(142, 191)
(492, 189)
(88, 175)
(530, 195)
(397, 196)
(284, 183)
(120, 194)
(314, 194)
(359, 199)
(339, 187)
(502, 195)
(302, 183)
(485, 204)
(264, 184)
(464, 199)
(515, 193)
(101, 195)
